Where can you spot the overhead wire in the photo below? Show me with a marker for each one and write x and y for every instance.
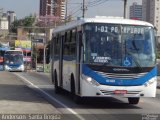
(88, 4)
(75, 11)
(75, 8)
(96, 3)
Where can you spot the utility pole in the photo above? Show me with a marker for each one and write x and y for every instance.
(125, 9)
(66, 15)
(44, 50)
(83, 9)
(44, 54)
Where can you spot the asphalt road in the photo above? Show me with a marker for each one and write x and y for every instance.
(19, 102)
(91, 109)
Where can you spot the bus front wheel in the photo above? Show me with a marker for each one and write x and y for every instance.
(133, 100)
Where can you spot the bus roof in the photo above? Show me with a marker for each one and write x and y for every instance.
(14, 50)
(103, 19)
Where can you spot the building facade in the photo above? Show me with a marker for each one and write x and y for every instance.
(52, 8)
(151, 12)
(11, 15)
(135, 11)
(3, 26)
(45, 7)
(3, 23)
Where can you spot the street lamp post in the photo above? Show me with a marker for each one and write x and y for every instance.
(44, 55)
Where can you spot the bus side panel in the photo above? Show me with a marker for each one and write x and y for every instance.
(78, 60)
(69, 68)
(56, 68)
(56, 58)
(69, 59)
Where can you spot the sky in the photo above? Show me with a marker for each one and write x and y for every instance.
(24, 8)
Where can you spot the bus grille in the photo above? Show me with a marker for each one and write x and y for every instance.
(120, 76)
(105, 92)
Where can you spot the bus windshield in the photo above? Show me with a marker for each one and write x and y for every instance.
(13, 59)
(119, 45)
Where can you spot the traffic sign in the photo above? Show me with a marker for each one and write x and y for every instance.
(40, 40)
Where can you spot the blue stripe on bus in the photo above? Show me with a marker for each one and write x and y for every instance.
(119, 82)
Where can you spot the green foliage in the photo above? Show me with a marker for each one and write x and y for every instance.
(35, 52)
(47, 68)
(15, 25)
(158, 54)
(28, 21)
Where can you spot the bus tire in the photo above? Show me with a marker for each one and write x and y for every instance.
(75, 97)
(133, 100)
(56, 87)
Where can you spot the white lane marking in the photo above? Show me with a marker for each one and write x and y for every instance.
(51, 97)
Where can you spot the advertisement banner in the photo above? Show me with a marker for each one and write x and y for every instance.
(24, 45)
(27, 58)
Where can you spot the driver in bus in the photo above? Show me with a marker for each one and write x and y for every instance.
(93, 44)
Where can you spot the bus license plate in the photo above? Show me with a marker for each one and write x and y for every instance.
(120, 92)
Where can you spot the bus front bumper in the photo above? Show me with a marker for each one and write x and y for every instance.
(9, 68)
(146, 90)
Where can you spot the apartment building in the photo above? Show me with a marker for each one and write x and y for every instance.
(151, 12)
(135, 11)
(53, 8)
(11, 16)
(3, 23)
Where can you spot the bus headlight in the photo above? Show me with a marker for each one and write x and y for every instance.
(90, 80)
(151, 81)
(21, 67)
(6, 67)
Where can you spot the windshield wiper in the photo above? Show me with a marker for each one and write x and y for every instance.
(135, 61)
(134, 45)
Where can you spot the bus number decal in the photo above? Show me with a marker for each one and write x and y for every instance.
(102, 59)
(111, 81)
(101, 29)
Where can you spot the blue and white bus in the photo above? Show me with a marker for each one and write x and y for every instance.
(105, 57)
(13, 60)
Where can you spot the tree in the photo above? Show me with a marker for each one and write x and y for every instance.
(14, 26)
(28, 21)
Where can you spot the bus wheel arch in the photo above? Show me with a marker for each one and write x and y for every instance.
(55, 81)
(72, 85)
(76, 98)
(53, 71)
